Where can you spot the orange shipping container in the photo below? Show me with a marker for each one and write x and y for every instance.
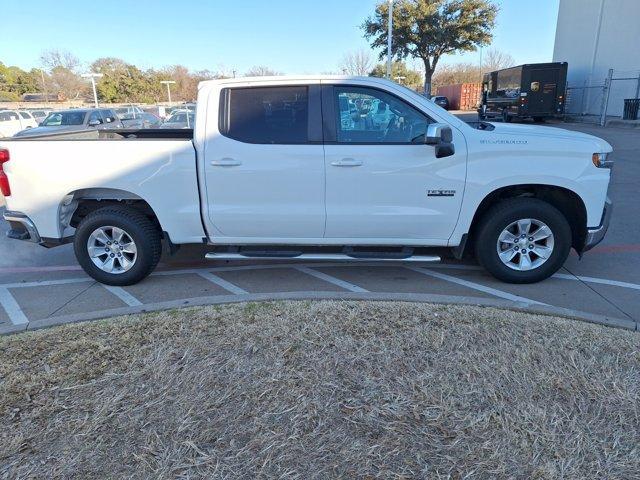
(462, 96)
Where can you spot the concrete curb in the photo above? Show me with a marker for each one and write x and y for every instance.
(404, 297)
(619, 123)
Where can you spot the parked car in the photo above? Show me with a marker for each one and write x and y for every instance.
(13, 121)
(142, 120)
(441, 101)
(271, 171)
(40, 115)
(180, 119)
(73, 121)
(129, 112)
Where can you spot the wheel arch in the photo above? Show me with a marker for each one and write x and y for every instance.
(79, 203)
(568, 202)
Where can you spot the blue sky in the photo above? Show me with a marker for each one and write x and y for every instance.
(291, 36)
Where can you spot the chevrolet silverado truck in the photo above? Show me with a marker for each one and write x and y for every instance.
(297, 168)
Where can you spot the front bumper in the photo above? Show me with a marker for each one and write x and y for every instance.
(22, 228)
(595, 235)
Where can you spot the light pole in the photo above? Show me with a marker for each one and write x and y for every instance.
(389, 42)
(92, 76)
(44, 87)
(168, 83)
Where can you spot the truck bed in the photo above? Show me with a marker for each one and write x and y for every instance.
(156, 166)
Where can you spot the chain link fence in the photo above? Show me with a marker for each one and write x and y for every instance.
(599, 101)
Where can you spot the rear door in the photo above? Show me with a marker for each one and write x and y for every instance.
(264, 164)
(543, 91)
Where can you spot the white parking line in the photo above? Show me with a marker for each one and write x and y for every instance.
(221, 282)
(601, 281)
(46, 283)
(15, 313)
(123, 295)
(198, 271)
(477, 286)
(328, 278)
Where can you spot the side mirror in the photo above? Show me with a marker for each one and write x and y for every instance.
(438, 133)
(94, 123)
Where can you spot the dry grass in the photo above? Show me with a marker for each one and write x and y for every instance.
(318, 390)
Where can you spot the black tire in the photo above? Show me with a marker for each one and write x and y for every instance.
(505, 116)
(142, 231)
(538, 119)
(500, 216)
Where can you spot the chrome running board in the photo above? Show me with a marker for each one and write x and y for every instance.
(321, 257)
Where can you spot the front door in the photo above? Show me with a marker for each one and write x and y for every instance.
(264, 164)
(383, 183)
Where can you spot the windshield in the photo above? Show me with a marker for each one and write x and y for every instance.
(64, 118)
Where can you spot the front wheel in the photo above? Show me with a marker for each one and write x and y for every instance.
(117, 246)
(523, 240)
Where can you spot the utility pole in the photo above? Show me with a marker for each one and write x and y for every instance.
(168, 83)
(44, 87)
(92, 76)
(389, 41)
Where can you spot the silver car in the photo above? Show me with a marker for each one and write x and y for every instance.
(181, 119)
(76, 120)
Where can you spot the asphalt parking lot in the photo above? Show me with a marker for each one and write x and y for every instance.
(40, 287)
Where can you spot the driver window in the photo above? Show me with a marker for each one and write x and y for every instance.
(367, 115)
(95, 116)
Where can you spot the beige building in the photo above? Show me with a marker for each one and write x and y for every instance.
(594, 36)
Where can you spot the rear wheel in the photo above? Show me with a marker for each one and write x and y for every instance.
(117, 246)
(538, 119)
(523, 240)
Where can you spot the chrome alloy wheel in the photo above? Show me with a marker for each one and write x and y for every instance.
(112, 250)
(525, 244)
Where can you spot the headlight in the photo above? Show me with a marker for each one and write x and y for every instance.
(601, 160)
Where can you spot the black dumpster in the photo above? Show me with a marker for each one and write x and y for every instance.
(631, 107)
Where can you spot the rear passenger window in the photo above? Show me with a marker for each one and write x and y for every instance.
(265, 115)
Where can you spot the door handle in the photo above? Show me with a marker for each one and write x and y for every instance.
(347, 162)
(226, 162)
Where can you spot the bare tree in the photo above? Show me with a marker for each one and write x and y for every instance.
(64, 73)
(497, 60)
(359, 62)
(261, 71)
(455, 74)
(59, 58)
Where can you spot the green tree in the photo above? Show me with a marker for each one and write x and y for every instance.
(124, 83)
(400, 73)
(429, 29)
(15, 82)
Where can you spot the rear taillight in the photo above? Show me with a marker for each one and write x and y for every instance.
(4, 181)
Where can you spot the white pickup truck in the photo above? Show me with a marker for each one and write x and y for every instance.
(297, 168)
